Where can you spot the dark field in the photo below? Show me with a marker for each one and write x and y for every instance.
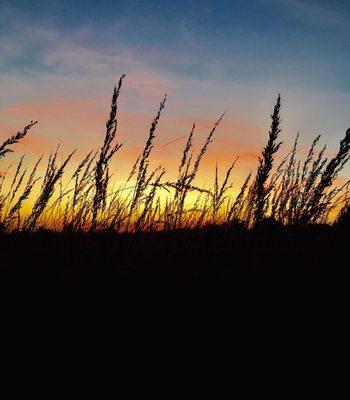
(212, 268)
(270, 247)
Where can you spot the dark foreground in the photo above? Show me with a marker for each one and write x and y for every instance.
(212, 268)
(274, 293)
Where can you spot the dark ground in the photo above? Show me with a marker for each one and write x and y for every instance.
(266, 310)
(216, 267)
(273, 294)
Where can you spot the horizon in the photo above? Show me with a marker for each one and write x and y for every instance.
(59, 62)
(175, 167)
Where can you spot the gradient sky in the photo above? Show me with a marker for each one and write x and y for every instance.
(59, 61)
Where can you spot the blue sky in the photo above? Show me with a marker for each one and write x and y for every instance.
(208, 56)
(256, 40)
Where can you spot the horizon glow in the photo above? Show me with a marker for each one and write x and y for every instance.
(59, 61)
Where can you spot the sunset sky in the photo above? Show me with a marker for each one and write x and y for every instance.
(59, 61)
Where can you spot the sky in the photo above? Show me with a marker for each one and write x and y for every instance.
(59, 61)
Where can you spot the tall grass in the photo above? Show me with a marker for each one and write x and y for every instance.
(107, 151)
(293, 192)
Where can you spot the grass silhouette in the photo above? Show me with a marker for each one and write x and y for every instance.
(294, 192)
(86, 240)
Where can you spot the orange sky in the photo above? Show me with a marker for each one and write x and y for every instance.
(59, 62)
(79, 123)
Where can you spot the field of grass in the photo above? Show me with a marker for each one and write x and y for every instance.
(292, 192)
(231, 266)
(83, 237)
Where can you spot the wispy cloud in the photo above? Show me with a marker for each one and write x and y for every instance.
(316, 13)
(64, 78)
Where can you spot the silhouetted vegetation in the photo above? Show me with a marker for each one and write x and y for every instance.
(291, 193)
(145, 238)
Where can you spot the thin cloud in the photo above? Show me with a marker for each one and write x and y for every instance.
(173, 141)
(317, 14)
